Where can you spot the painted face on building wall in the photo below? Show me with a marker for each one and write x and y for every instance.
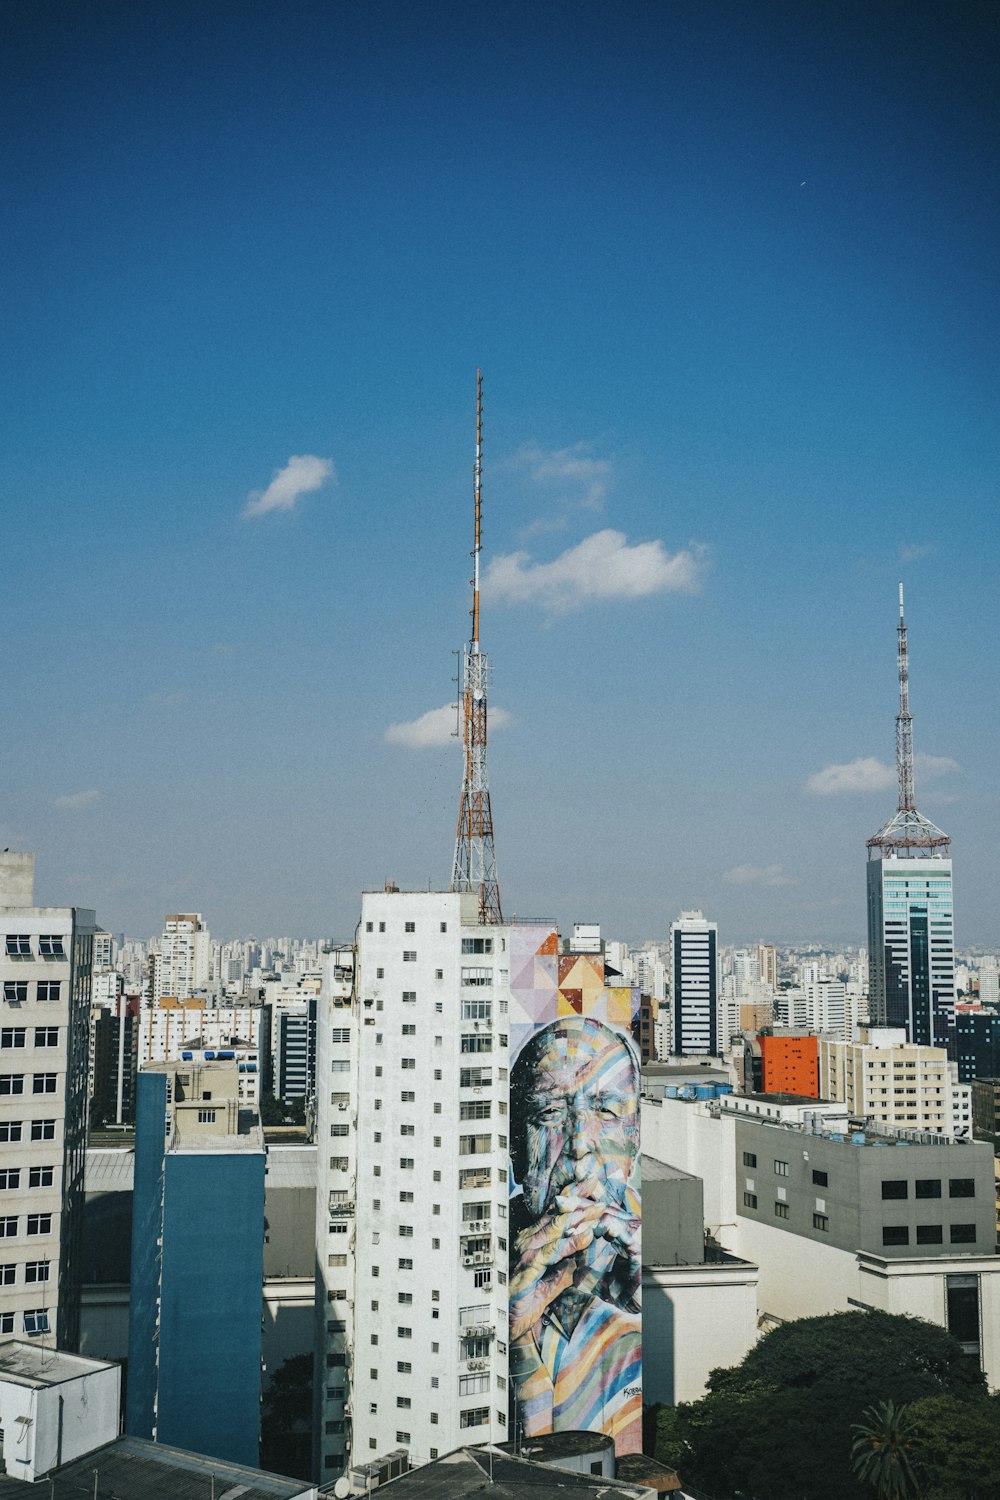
(575, 1102)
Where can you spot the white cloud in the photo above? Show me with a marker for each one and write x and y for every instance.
(302, 474)
(602, 566)
(575, 468)
(869, 774)
(913, 551)
(437, 727)
(755, 875)
(74, 800)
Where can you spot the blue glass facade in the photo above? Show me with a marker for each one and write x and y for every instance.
(912, 948)
(198, 1353)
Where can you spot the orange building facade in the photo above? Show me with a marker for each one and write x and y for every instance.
(789, 1065)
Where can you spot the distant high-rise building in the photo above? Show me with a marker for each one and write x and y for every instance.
(197, 1263)
(46, 956)
(989, 982)
(186, 957)
(694, 985)
(910, 905)
(767, 965)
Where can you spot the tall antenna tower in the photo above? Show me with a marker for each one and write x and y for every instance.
(475, 865)
(908, 834)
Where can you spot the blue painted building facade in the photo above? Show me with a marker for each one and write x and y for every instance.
(197, 1270)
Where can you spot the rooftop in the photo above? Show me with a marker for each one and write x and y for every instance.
(135, 1469)
(661, 1171)
(471, 1471)
(37, 1367)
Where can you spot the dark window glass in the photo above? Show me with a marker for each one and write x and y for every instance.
(963, 1234)
(749, 1159)
(963, 1311)
(929, 1234)
(821, 1179)
(928, 1187)
(750, 1200)
(895, 1234)
(962, 1187)
(895, 1188)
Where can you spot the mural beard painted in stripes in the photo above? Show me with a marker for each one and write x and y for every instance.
(575, 1268)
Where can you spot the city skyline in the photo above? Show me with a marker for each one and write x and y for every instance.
(730, 279)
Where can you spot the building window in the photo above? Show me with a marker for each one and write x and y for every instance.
(36, 1270)
(50, 945)
(895, 1234)
(781, 1210)
(749, 1200)
(18, 945)
(407, 1130)
(369, 926)
(12, 1036)
(406, 1163)
(474, 1109)
(402, 1437)
(11, 1083)
(963, 1234)
(379, 973)
(36, 1320)
(895, 1187)
(409, 1029)
(781, 1169)
(206, 1117)
(7, 1274)
(473, 1145)
(406, 1196)
(340, 1034)
(340, 1065)
(406, 1231)
(10, 1130)
(929, 1234)
(41, 1130)
(820, 1221)
(473, 1385)
(43, 1083)
(961, 1187)
(963, 1311)
(821, 1179)
(405, 1263)
(409, 996)
(476, 1416)
(749, 1159)
(381, 927)
(404, 1333)
(409, 926)
(340, 1130)
(47, 990)
(15, 991)
(408, 1063)
(409, 955)
(46, 1036)
(10, 1178)
(404, 1403)
(40, 1177)
(8, 1227)
(928, 1187)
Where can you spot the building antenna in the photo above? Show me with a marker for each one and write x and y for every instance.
(474, 867)
(907, 834)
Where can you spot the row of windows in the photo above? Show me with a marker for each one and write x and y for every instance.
(36, 1320)
(15, 991)
(35, 1224)
(34, 1271)
(41, 1130)
(929, 1187)
(10, 1178)
(41, 1083)
(50, 945)
(17, 1036)
(929, 1234)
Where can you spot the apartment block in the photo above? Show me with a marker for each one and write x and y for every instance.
(886, 1081)
(46, 962)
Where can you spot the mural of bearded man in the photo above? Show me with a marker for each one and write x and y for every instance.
(575, 1268)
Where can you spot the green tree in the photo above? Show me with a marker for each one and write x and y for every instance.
(272, 1111)
(959, 1454)
(779, 1424)
(286, 1414)
(882, 1453)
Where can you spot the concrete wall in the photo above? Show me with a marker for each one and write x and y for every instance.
(672, 1219)
(67, 1420)
(694, 1319)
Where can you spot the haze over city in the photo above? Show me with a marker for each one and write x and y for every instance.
(729, 272)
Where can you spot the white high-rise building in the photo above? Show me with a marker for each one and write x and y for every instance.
(185, 957)
(412, 1084)
(46, 957)
(694, 985)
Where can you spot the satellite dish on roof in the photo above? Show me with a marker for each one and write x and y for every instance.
(342, 1488)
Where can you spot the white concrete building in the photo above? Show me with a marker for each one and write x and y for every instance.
(54, 1408)
(412, 1233)
(694, 985)
(887, 1081)
(45, 957)
(185, 956)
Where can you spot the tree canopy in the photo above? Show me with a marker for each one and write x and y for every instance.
(779, 1424)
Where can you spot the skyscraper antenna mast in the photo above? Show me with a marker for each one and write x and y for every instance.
(907, 834)
(474, 867)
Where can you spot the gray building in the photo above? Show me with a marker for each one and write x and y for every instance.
(864, 1192)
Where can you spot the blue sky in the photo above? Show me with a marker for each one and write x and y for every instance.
(730, 273)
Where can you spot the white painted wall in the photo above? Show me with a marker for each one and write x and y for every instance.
(58, 1423)
(694, 1320)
